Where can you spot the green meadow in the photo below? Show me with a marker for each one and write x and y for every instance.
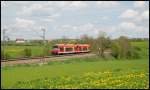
(18, 51)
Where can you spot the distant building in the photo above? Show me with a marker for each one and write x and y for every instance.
(20, 40)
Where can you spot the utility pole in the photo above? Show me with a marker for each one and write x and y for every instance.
(43, 35)
(43, 43)
(3, 51)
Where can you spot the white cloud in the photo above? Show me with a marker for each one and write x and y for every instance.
(21, 2)
(50, 18)
(52, 6)
(29, 10)
(135, 16)
(132, 15)
(77, 28)
(24, 23)
(88, 28)
(105, 18)
(107, 4)
(129, 14)
(129, 29)
(66, 4)
(55, 4)
(139, 4)
(132, 28)
(134, 21)
(145, 14)
(127, 25)
(78, 4)
(3, 4)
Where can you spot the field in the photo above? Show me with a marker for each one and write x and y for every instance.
(17, 51)
(89, 72)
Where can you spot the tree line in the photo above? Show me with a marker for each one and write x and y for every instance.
(102, 45)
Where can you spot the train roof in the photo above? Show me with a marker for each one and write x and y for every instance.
(72, 45)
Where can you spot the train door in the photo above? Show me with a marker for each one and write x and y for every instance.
(61, 49)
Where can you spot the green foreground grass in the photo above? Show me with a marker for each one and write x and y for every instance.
(88, 72)
(14, 77)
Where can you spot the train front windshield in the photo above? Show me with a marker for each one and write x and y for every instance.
(55, 47)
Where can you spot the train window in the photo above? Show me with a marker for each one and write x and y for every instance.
(84, 49)
(61, 49)
(69, 49)
(80, 48)
(55, 46)
(76, 48)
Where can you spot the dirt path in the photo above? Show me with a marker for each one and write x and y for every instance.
(31, 61)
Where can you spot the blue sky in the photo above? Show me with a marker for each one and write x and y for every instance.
(24, 19)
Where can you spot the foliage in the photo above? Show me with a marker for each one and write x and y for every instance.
(5, 55)
(122, 48)
(134, 53)
(102, 44)
(27, 52)
(115, 50)
(46, 50)
(99, 44)
(2, 54)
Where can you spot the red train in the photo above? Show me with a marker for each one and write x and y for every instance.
(70, 48)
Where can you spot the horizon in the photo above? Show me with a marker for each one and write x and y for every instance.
(70, 39)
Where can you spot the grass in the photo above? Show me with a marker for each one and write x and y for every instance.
(11, 76)
(90, 80)
(88, 72)
(17, 51)
(144, 46)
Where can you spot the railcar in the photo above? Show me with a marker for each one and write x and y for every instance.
(70, 48)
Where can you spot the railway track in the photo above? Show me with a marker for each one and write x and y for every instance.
(41, 59)
(17, 59)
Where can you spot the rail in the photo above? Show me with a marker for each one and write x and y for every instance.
(19, 59)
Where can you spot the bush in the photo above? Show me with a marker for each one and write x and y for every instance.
(135, 52)
(5, 55)
(46, 50)
(122, 48)
(115, 50)
(27, 52)
(2, 54)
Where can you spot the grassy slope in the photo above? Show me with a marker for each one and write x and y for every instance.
(23, 73)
